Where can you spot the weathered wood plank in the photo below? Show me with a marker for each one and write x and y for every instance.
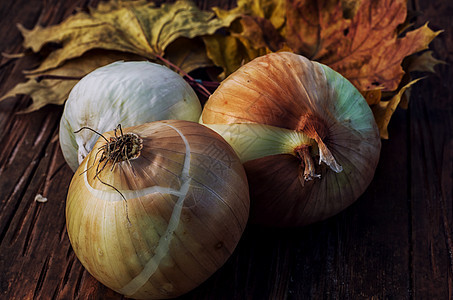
(29, 243)
(33, 240)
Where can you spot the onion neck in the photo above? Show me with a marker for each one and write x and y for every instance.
(317, 130)
(307, 165)
(252, 141)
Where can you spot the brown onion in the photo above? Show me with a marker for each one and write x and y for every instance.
(158, 208)
(282, 113)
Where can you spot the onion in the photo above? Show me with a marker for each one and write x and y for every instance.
(282, 113)
(127, 93)
(157, 209)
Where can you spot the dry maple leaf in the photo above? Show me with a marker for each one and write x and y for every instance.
(53, 86)
(133, 28)
(272, 10)
(140, 29)
(365, 49)
(384, 110)
(253, 37)
(256, 32)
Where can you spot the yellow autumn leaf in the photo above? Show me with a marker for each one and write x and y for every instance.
(53, 86)
(272, 10)
(228, 52)
(250, 37)
(42, 92)
(384, 110)
(256, 32)
(121, 29)
(138, 28)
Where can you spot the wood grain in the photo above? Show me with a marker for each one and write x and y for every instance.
(395, 242)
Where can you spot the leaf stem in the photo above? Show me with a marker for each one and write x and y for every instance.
(57, 77)
(190, 79)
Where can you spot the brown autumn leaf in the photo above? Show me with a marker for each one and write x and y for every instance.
(368, 48)
(261, 32)
(350, 8)
(365, 49)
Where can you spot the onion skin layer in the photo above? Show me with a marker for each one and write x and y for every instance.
(186, 207)
(285, 90)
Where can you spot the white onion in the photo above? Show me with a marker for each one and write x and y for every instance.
(126, 93)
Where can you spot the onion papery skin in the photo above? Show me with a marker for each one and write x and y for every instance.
(285, 92)
(185, 206)
(127, 93)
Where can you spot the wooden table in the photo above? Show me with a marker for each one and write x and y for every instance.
(395, 242)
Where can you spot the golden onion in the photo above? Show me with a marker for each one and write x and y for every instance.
(282, 113)
(155, 209)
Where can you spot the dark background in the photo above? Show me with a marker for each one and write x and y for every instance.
(395, 242)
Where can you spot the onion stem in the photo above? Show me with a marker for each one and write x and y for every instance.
(307, 163)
